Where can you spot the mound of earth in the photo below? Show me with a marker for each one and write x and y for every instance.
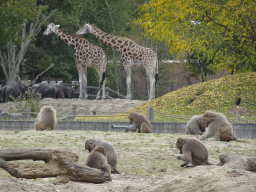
(201, 178)
(84, 107)
(239, 110)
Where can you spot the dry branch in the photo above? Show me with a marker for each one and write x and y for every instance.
(60, 164)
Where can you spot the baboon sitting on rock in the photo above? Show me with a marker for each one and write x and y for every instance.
(195, 126)
(46, 119)
(193, 151)
(98, 159)
(91, 144)
(218, 127)
(139, 123)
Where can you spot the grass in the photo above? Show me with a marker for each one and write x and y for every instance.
(137, 153)
(216, 95)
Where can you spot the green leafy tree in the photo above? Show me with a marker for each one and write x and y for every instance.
(221, 31)
(22, 23)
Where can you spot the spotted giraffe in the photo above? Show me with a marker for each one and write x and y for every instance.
(86, 55)
(132, 55)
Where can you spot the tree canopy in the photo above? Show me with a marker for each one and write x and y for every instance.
(222, 31)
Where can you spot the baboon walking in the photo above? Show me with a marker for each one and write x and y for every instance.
(139, 123)
(46, 119)
(193, 151)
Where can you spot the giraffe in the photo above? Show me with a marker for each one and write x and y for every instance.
(86, 55)
(132, 55)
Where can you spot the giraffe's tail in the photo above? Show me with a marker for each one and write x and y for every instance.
(156, 75)
(102, 78)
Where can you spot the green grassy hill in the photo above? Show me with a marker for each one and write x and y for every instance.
(216, 95)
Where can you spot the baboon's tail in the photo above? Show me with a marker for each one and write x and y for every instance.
(102, 78)
(240, 140)
(207, 163)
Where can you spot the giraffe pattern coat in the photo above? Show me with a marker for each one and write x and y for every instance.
(86, 55)
(132, 55)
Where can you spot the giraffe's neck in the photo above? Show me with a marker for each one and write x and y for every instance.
(108, 39)
(71, 40)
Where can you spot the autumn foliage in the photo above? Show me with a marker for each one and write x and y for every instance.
(221, 31)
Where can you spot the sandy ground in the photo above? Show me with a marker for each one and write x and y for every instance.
(148, 162)
(85, 107)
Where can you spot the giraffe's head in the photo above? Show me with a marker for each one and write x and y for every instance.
(84, 30)
(51, 28)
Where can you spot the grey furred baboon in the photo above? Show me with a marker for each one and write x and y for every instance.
(46, 119)
(218, 127)
(139, 123)
(97, 159)
(90, 144)
(195, 126)
(193, 151)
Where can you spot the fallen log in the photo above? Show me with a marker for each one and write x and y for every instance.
(247, 163)
(60, 164)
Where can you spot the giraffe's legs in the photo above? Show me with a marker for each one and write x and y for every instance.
(101, 85)
(152, 87)
(85, 83)
(128, 83)
(82, 81)
(80, 84)
(152, 81)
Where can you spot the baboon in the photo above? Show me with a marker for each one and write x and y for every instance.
(195, 126)
(139, 123)
(90, 144)
(46, 119)
(218, 127)
(193, 151)
(97, 159)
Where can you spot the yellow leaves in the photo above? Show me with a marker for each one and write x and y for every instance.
(213, 95)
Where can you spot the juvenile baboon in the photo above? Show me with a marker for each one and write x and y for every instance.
(139, 123)
(218, 127)
(195, 126)
(46, 119)
(90, 144)
(193, 151)
(97, 159)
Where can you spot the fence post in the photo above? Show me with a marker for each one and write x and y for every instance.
(237, 116)
(73, 112)
(150, 113)
(107, 93)
(28, 112)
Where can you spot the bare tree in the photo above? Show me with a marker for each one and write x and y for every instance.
(12, 59)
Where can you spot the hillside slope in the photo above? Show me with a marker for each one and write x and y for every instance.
(217, 95)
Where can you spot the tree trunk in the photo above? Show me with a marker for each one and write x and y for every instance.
(60, 164)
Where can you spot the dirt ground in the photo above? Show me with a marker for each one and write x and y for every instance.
(85, 107)
(148, 162)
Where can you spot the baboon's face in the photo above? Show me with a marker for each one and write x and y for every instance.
(89, 145)
(131, 118)
(179, 143)
(207, 119)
